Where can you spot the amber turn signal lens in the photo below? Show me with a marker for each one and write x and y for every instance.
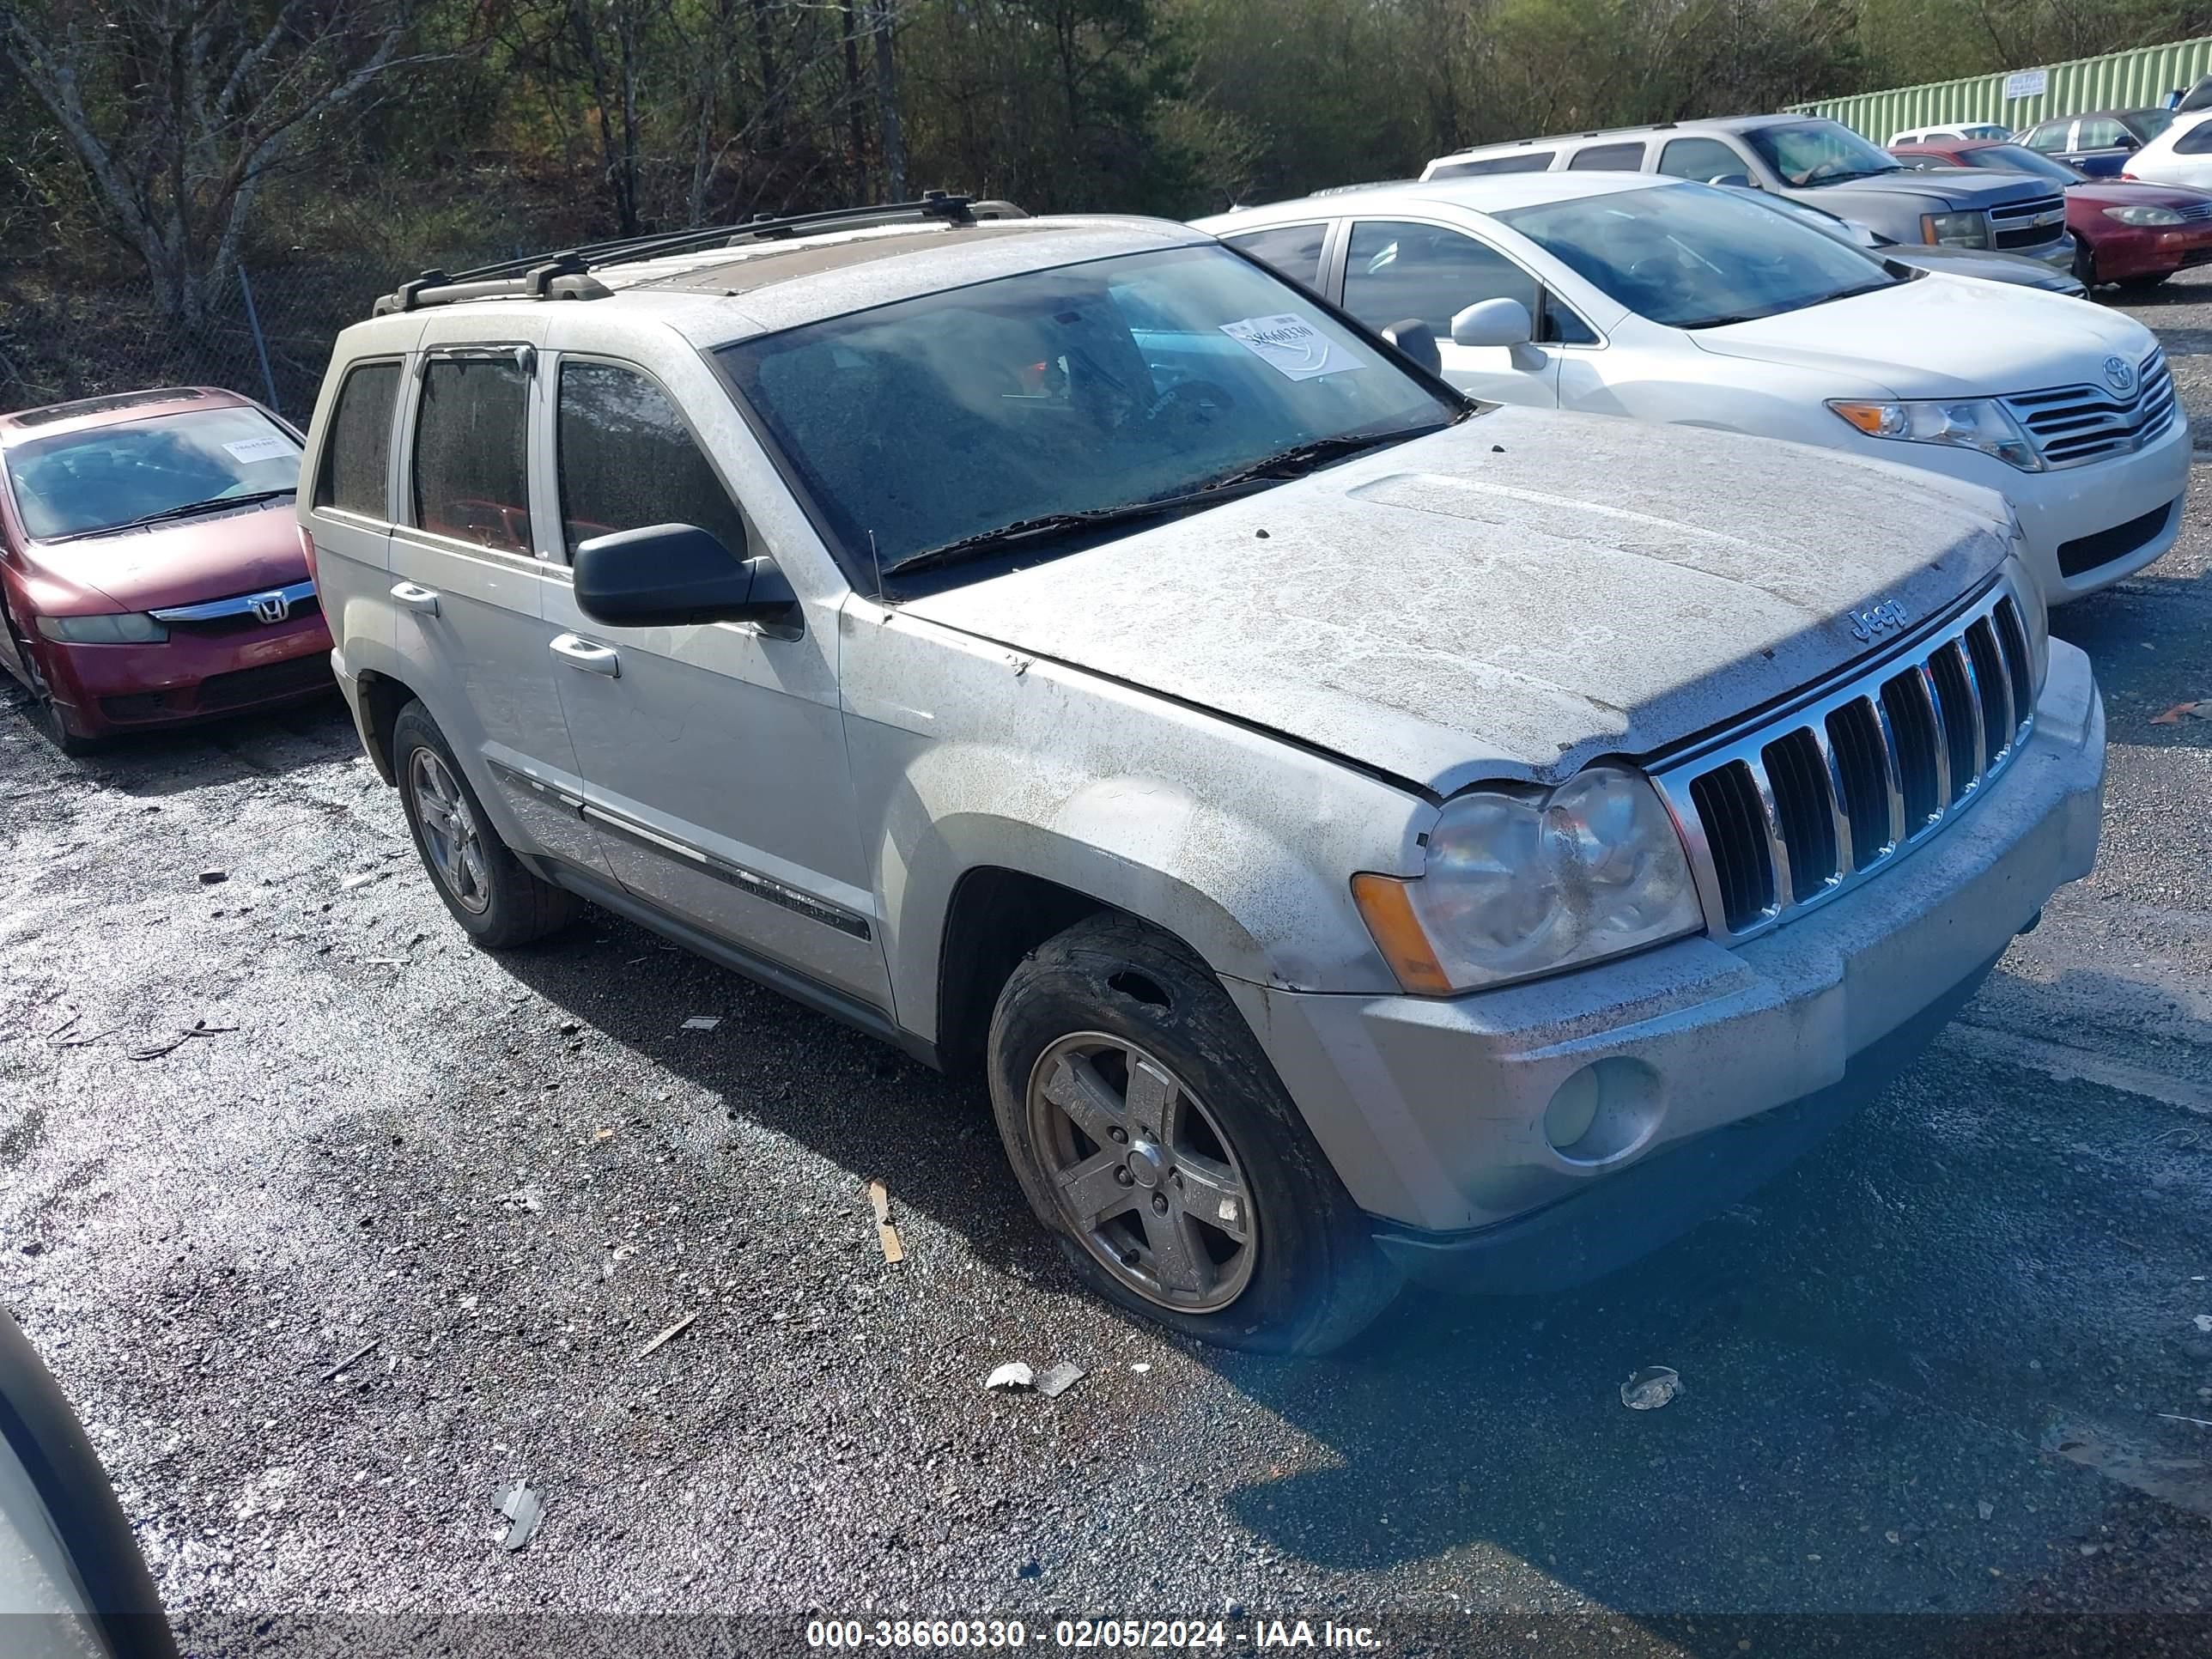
(1386, 905)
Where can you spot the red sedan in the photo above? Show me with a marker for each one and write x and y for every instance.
(150, 567)
(2136, 236)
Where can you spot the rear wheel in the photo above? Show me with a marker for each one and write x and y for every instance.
(498, 903)
(1153, 1137)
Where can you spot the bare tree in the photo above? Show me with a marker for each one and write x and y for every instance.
(887, 108)
(180, 110)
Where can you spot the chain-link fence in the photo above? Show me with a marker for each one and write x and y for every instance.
(267, 335)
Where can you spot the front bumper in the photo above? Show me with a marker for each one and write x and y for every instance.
(2095, 522)
(2058, 255)
(2148, 251)
(1431, 1110)
(105, 689)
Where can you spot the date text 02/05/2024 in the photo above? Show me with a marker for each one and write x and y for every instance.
(1171, 1635)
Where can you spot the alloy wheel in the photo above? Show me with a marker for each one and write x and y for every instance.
(1143, 1173)
(450, 835)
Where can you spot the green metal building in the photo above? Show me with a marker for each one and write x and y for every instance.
(2124, 80)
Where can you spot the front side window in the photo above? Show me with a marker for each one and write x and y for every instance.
(1691, 255)
(1294, 250)
(1804, 154)
(2101, 132)
(1395, 271)
(627, 460)
(1106, 387)
(357, 453)
(1609, 158)
(164, 468)
(1702, 158)
(472, 480)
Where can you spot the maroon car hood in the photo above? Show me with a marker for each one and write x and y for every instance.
(2102, 193)
(211, 557)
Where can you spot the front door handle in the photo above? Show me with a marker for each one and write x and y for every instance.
(588, 655)
(417, 597)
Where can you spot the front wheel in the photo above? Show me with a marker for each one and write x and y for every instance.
(45, 713)
(498, 903)
(1153, 1137)
(2143, 284)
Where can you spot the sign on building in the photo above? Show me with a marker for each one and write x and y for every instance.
(2027, 83)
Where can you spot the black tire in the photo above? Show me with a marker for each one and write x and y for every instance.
(2143, 284)
(503, 905)
(1314, 1279)
(2085, 266)
(45, 713)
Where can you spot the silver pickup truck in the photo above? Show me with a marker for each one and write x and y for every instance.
(1358, 833)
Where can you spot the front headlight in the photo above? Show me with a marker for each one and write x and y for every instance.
(1524, 881)
(1979, 423)
(1955, 229)
(129, 627)
(2144, 215)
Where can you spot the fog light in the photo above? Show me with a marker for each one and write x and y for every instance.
(1573, 1109)
(1605, 1111)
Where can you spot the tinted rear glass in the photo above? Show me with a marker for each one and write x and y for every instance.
(357, 453)
(1294, 250)
(1609, 158)
(1521, 160)
(471, 479)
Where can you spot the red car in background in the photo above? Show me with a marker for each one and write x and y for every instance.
(151, 569)
(2136, 236)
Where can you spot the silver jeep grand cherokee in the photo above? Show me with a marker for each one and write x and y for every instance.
(1359, 832)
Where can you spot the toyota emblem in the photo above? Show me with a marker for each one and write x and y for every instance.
(2118, 375)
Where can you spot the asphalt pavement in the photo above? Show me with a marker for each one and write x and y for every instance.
(396, 1225)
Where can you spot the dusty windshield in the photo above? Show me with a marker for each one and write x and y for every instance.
(77, 483)
(1084, 389)
(1694, 256)
(1809, 153)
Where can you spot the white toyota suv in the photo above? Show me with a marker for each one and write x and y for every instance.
(1356, 832)
(1665, 299)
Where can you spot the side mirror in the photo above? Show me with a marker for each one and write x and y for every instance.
(676, 575)
(72, 1581)
(1415, 339)
(1733, 180)
(1493, 323)
(2128, 142)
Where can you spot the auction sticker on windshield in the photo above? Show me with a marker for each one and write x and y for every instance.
(260, 449)
(1289, 344)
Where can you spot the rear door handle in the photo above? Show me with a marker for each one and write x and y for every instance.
(588, 655)
(415, 598)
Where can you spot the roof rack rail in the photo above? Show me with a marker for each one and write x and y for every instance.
(567, 275)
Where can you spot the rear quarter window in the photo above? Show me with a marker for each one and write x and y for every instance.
(1521, 160)
(1608, 158)
(357, 449)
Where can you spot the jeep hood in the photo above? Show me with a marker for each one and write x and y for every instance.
(1937, 337)
(1507, 599)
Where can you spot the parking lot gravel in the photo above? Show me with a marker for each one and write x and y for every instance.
(397, 1224)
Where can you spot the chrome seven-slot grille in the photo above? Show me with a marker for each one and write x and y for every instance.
(2028, 224)
(2072, 424)
(1810, 803)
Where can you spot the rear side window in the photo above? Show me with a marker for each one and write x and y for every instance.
(1521, 160)
(472, 481)
(357, 453)
(1609, 158)
(1294, 250)
(2050, 137)
(628, 461)
(1702, 158)
(2197, 140)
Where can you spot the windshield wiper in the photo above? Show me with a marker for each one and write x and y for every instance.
(1023, 530)
(186, 510)
(1291, 462)
(1301, 459)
